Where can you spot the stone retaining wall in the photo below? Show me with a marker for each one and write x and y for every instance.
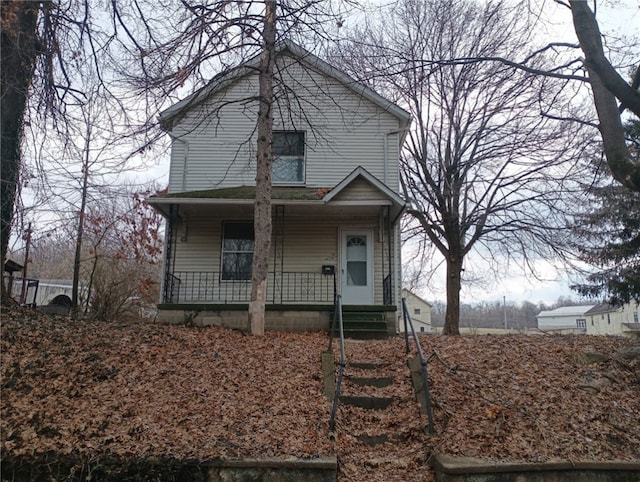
(459, 469)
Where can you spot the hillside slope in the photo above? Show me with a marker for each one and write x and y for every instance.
(87, 390)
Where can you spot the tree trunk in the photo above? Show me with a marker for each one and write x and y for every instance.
(18, 48)
(606, 85)
(80, 234)
(454, 284)
(262, 206)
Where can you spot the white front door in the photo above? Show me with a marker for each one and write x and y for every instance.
(356, 267)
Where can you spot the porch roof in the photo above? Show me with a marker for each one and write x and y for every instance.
(249, 193)
(297, 196)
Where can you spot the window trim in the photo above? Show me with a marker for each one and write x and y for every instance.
(301, 182)
(222, 278)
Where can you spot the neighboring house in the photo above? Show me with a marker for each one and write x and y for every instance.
(419, 311)
(606, 319)
(567, 319)
(36, 292)
(336, 202)
(50, 289)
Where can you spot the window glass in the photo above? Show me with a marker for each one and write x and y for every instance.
(356, 261)
(288, 157)
(416, 311)
(237, 251)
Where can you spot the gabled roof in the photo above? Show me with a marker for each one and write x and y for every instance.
(566, 311)
(602, 308)
(11, 266)
(416, 296)
(222, 80)
(284, 195)
(371, 179)
(249, 192)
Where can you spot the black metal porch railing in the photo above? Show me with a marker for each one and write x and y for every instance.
(387, 292)
(408, 323)
(282, 287)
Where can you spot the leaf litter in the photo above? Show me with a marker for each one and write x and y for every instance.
(140, 389)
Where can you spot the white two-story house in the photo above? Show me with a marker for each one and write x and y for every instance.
(336, 202)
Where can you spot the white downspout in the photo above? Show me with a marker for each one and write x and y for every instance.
(183, 181)
(385, 174)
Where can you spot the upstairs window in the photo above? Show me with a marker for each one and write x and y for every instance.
(288, 157)
(237, 251)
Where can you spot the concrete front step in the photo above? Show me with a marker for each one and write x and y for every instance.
(373, 440)
(365, 324)
(368, 365)
(366, 334)
(370, 403)
(362, 315)
(371, 382)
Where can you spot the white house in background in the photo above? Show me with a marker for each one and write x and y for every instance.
(606, 319)
(419, 310)
(567, 319)
(336, 203)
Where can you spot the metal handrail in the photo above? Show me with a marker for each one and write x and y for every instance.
(423, 361)
(337, 315)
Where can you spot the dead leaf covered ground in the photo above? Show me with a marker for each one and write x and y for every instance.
(140, 389)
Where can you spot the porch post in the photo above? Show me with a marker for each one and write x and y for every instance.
(390, 242)
(169, 255)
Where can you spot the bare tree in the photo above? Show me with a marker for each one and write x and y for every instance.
(262, 207)
(45, 45)
(483, 170)
(608, 87)
(19, 47)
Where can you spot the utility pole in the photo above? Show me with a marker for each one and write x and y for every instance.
(23, 290)
(504, 307)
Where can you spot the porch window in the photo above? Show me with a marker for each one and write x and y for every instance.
(288, 157)
(237, 251)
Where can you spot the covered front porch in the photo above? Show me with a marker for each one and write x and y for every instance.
(343, 240)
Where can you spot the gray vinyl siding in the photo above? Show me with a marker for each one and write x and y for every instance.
(360, 190)
(307, 246)
(342, 130)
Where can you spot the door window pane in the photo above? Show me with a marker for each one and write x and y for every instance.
(357, 273)
(356, 261)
